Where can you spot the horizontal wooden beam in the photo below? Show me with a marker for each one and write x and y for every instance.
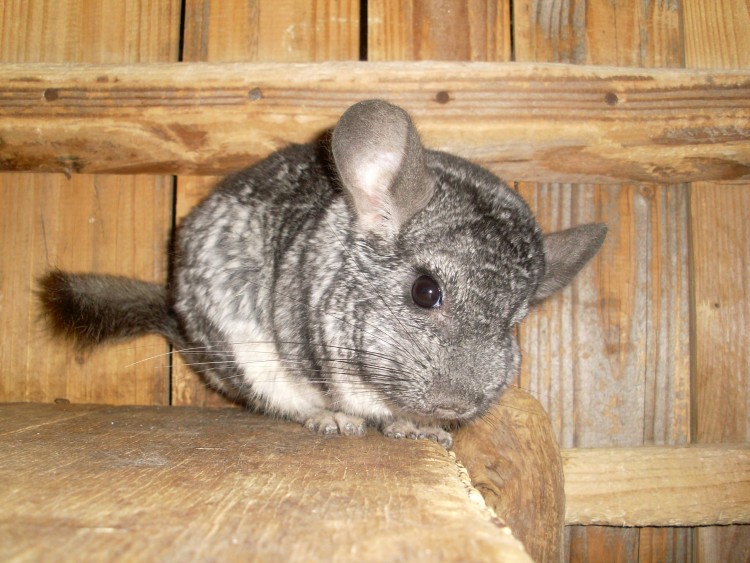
(658, 486)
(560, 123)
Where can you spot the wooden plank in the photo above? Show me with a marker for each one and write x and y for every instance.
(721, 268)
(586, 350)
(636, 34)
(103, 224)
(716, 37)
(720, 218)
(186, 484)
(513, 459)
(88, 31)
(271, 30)
(86, 223)
(442, 30)
(592, 123)
(657, 485)
(611, 353)
(251, 32)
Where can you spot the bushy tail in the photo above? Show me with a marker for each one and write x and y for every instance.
(91, 309)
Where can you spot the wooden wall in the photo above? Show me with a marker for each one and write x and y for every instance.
(649, 346)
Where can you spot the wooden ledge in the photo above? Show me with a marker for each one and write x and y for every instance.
(658, 486)
(550, 123)
(178, 482)
(150, 483)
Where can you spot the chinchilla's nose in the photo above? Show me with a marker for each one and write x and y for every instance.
(453, 409)
(458, 412)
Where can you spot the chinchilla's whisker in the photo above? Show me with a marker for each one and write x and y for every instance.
(357, 352)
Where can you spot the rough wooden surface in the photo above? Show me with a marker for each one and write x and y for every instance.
(111, 224)
(514, 461)
(180, 484)
(716, 37)
(658, 485)
(438, 30)
(532, 122)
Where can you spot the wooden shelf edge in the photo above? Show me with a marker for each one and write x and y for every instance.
(696, 485)
(537, 122)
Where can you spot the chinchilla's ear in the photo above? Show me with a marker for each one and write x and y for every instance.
(565, 253)
(380, 161)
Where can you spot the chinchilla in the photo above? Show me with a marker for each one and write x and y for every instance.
(361, 281)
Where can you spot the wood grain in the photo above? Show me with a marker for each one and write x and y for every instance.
(609, 356)
(532, 122)
(73, 225)
(184, 484)
(716, 36)
(514, 461)
(271, 30)
(86, 223)
(657, 485)
(636, 34)
(721, 397)
(235, 30)
(438, 30)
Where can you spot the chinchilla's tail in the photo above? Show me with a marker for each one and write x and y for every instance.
(91, 309)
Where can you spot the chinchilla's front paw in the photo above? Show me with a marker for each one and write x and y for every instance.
(328, 422)
(400, 429)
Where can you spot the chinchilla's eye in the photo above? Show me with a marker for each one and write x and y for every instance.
(426, 292)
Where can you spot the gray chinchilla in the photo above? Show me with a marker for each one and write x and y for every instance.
(364, 281)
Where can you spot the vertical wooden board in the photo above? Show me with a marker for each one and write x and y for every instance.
(720, 216)
(616, 32)
(632, 352)
(262, 31)
(665, 544)
(609, 356)
(69, 224)
(104, 31)
(473, 30)
(716, 33)
(601, 544)
(271, 31)
(87, 223)
(716, 36)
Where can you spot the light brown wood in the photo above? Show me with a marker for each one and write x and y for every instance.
(638, 34)
(271, 30)
(586, 350)
(716, 37)
(514, 461)
(187, 484)
(438, 30)
(720, 217)
(658, 486)
(585, 122)
(87, 223)
(102, 224)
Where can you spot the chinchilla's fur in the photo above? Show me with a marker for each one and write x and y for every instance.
(296, 283)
